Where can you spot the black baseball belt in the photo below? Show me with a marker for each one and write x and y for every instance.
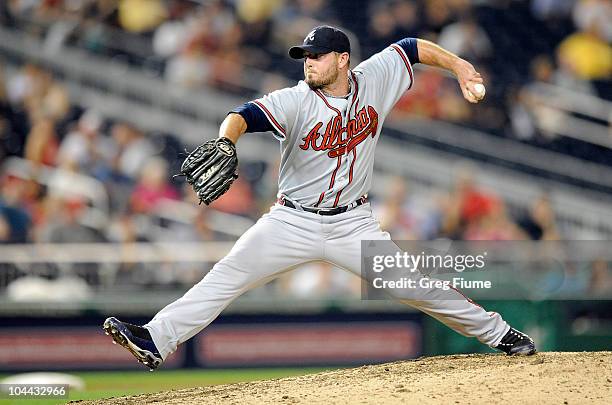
(324, 211)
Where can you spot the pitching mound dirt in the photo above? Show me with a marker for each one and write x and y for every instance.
(546, 378)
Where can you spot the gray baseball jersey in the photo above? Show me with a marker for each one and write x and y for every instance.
(328, 143)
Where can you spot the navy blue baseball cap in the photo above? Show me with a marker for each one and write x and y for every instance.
(323, 39)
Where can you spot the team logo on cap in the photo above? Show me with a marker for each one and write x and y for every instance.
(311, 35)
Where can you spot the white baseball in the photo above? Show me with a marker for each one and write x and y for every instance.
(480, 90)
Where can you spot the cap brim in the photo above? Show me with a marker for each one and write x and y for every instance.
(297, 52)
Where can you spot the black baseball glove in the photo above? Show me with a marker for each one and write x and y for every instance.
(211, 169)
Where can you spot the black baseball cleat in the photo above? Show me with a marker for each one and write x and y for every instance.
(516, 342)
(136, 339)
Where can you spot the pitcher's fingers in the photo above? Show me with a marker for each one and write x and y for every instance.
(468, 95)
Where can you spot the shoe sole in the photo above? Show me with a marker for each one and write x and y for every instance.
(112, 327)
(524, 351)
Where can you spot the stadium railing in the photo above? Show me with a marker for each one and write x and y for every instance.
(530, 158)
(579, 116)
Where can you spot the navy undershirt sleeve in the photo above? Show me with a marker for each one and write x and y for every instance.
(255, 119)
(410, 47)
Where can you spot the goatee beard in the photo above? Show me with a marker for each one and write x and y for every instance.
(325, 82)
(315, 86)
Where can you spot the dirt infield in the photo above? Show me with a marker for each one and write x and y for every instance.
(546, 378)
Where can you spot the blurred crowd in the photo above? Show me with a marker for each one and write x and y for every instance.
(87, 178)
(65, 146)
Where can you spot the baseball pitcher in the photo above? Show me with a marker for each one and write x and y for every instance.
(328, 126)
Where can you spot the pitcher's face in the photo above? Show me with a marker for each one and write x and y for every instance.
(320, 70)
